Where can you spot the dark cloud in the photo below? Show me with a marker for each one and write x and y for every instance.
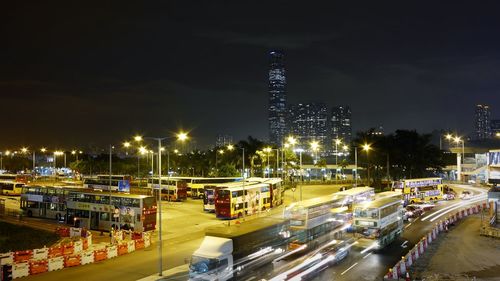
(74, 73)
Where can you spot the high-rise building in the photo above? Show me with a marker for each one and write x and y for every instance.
(495, 127)
(308, 122)
(482, 124)
(340, 124)
(277, 97)
(223, 140)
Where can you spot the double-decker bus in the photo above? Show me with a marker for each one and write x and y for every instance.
(172, 189)
(419, 190)
(104, 182)
(380, 220)
(318, 220)
(312, 222)
(210, 190)
(344, 200)
(102, 211)
(44, 201)
(195, 185)
(24, 178)
(237, 201)
(11, 187)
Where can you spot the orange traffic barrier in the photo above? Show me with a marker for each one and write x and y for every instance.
(85, 243)
(55, 251)
(22, 256)
(38, 266)
(68, 249)
(70, 261)
(122, 249)
(136, 235)
(62, 231)
(100, 255)
(139, 244)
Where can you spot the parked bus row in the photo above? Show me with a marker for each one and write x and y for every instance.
(88, 208)
(22, 178)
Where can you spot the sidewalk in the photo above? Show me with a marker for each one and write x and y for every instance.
(461, 254)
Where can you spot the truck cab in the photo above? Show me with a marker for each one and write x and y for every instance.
(213, 260)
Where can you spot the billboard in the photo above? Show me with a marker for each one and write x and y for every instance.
(494, 167)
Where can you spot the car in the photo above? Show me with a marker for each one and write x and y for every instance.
(449, 196)
(423, 206)
(465, 195)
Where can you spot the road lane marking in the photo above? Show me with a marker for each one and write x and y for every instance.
(407, 225)
(464, 205)
(349, 268)
(404, 244)
(367, 255)
(455, 206)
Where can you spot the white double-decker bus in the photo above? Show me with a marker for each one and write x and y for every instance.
(380, 220)
(318, 220)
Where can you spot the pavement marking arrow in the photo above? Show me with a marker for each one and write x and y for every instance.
(404, 244)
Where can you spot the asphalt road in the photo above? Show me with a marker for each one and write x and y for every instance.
(183, 230)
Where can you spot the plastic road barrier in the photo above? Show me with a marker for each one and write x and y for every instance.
(100, 255)
(122, 248)
(89, 239)
(20, 269)
(87, 257)
(147, 240)
(68, 249)
(75, 232)
(38, 266)
(73, 260)
(41, 254)
(78, 246)
(402, 266)
(56, 263)
(139, 244)
(112, 252)
(131, 246)
(6, 258)
(62, 231)
(23, 256)
(55, 251)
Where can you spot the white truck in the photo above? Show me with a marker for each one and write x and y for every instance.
(231, 251)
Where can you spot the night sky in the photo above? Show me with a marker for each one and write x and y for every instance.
(73, 74)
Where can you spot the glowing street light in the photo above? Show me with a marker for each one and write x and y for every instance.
(182, 136)
(138, 138)
(291, 140)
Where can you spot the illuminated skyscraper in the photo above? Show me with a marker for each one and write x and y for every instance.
(340, 124)
(309, 122)
(482, 124)
(277, 98)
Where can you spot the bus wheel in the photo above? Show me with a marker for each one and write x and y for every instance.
(30, 213)
(200, 196)
(263, 208)
(240, 215)
(58, 217)
(412, 202)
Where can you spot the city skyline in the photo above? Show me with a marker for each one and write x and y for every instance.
(75, 75)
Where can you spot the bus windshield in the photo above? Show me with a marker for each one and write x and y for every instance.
(223, 194)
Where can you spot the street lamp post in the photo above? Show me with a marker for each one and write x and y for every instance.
(268, 150)
(137, 139)
(300, 150)
(337, 142)
(181, 137)
(356, 165)
(367, 147)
